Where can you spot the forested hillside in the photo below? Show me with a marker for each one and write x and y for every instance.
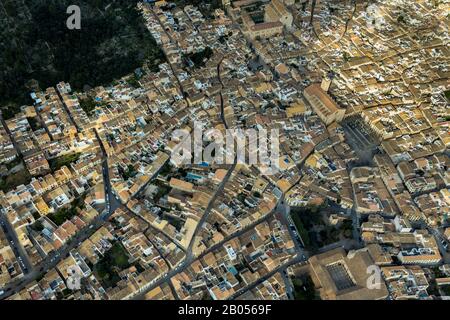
(35, 44)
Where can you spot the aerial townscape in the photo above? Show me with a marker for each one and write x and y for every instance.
(94, 207)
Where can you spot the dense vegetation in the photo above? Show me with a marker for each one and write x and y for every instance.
(304, 288)
(199, 58)
(34, 123)
(64, 214)
(108, 268)
(65, 160)
(128, 172)
(36, 44)
(88, 105)
(303, 233)
(163, 189)
(11, 110)
(446, 290)
(447, 95)
(313, 229)
(11, 181)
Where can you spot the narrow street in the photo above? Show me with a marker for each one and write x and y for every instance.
(186, 263)
(112, 203)
(11, 235)
(265, 277)
(15, 245)
(52, 260)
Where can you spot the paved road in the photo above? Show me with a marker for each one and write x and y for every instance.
(180, 85)
(189, 252)
(112, 203)
(150, 226)
(172, 288)
(209, 208)
(187, 262)
(222, 113)
(266, 276)
(301, 255)
(66, 108)
(288, 285)
(52, 260)
(15, 245)
(16, 147)
(222, 184)
(348, 20)
(11, 235)
(439, 239)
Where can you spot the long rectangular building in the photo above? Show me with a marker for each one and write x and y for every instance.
(323, 105)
